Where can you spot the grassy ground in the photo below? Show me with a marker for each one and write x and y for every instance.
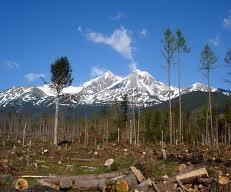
(44, 159)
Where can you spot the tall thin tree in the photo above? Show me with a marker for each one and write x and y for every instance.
(168, 49)
(208, 60)
(61, 77)
(181, 47)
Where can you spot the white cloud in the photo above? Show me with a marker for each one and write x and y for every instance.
(119, 40)
(12, 64)
(215, 41)
(33, 76)
(144, 32)
(227, 21)
(118, 16)
(97, 71)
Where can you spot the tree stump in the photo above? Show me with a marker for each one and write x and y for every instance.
(127, 183)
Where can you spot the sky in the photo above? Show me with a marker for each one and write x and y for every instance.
(115, 35)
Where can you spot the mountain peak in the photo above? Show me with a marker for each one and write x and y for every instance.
(143, 74)
(108, 74)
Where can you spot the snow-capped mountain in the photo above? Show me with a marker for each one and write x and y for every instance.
(198, 87)
(140, 87)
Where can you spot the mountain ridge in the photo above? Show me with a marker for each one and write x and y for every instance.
(141, 88)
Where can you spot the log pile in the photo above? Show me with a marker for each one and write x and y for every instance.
(186, 180)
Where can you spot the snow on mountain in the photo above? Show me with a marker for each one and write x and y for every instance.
(88, 88)
(99, 83)
(23, 94)
(197, 87)
(140, 87)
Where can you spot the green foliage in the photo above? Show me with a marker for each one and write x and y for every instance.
(181, 43)
(168, 46)
(61, 74)
(122, 163)
(208, 59)
(168, 167)
(155, 121)
(122, 113)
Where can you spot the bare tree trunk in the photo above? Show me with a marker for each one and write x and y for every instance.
(130, 133)
(134, 124)
(179, 89)
(118, 134)
(170, 102)
(207, 129)
(229, 135)
(107, 133)
(56, 120)
(138, 131)
(24, 134)
(210, 110)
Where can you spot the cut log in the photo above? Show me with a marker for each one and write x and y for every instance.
(127, 183)
(51, 185)
(86, 184)
(192, 175)
(56, 180)
(36, 176)
(223, 180)
(65, 183)
(109, 163)
(21, 184)
(140, 177)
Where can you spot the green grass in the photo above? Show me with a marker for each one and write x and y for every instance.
(166, 168)
(122, 163)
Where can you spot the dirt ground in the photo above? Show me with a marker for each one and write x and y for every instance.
(74, 159)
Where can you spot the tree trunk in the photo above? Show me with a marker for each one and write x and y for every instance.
(210, 109)
(179, 86)
(56, 120)
(24, 134)
(118, 134)
(134, 124)
(138, 131)
(170, 102)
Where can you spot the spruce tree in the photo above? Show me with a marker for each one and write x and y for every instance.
(61, 77)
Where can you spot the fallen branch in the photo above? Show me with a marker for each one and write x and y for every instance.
(192, 175)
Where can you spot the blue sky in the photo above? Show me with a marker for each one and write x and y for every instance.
(111, 35)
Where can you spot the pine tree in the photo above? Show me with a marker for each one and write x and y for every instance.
(61, 77)
(168, 50)
(181, 47)
(208, 59)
